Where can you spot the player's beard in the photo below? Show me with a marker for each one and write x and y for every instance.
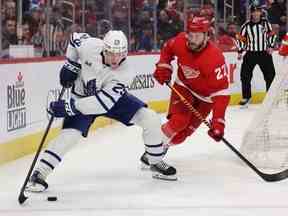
(197, 47)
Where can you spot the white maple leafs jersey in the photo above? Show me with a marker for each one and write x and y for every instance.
(97, 87)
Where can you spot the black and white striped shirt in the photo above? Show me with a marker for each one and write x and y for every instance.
(256, 36)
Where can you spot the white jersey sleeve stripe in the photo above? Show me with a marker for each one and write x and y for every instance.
(106, 100)
(109, 96)
(71, 40)
(72, 44)
(76, 64)
(101, 102)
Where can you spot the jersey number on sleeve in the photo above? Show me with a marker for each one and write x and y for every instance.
(77, 41)
(221, 72)
(119, 88)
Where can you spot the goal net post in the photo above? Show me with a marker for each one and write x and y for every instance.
(265, 142)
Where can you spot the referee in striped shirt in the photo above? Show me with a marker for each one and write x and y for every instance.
(257, 39)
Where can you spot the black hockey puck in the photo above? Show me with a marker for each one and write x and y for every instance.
(52, 198)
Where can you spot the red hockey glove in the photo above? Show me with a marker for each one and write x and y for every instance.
(217, 129)
(163, 74)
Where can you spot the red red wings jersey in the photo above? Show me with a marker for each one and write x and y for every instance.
(204, 72)
(283, 50)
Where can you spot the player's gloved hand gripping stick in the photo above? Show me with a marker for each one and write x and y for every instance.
(267, 177)
(22, 198)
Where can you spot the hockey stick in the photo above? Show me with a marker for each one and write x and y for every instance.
(22, 198)
(267, 177)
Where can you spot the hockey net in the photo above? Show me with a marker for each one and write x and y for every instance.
(265, 142)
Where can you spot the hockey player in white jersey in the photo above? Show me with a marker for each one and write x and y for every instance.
(95, 71)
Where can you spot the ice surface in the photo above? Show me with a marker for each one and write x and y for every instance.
(101, 176)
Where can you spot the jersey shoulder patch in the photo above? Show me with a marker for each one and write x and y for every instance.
(76, 39)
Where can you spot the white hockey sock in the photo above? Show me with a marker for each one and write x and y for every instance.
(155, 153)
(57, 148)
(152, 134)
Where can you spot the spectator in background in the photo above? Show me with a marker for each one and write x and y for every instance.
(67, 14)
(57, 43)
(170, 21)
(25, 35)
(149, 5)
(26, 4)
(277, 15)
(167, 27)
(208, 12)
(9, 10)
(161, 4)
(120, 15)
(174, 13)
(227, 41)
(35, 17)
(56, 15)
(146, 39)
(60, 42)
(9, 35)
(78, 11)
(243, 11)
(144, 31)
(91, 20)
(37, 40)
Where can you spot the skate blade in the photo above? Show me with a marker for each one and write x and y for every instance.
(164, 177)
(144, 167)
(244, 106)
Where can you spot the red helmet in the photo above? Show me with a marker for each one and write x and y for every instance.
(283, 50)
(198, 24)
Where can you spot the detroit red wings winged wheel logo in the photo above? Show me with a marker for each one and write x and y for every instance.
(190, 73)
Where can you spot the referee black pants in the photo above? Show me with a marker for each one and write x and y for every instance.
(250, 60)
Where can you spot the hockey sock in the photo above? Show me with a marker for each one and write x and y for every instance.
(56, 150)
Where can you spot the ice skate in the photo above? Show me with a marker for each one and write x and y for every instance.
(244, 103)
(163, 171)
(36, 183)
(144, 162)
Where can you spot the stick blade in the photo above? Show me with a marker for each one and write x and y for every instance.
(22, 198)
(276, 177)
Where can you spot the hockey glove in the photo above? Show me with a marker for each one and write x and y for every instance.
(69, 73)
(63, 108)
(217, 129)
(163, 73)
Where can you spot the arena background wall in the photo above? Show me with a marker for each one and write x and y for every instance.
(25, 84)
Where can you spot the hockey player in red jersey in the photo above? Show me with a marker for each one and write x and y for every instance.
(202, 78)
(283, 50)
